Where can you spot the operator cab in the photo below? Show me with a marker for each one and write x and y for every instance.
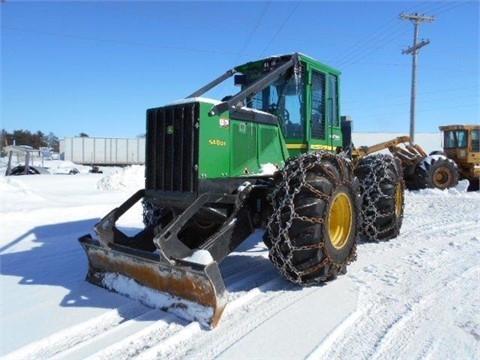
(462, 142)
(294, 92)
(304, 98)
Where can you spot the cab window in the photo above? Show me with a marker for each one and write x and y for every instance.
(333, 99)
(318, 105)
(285, 99)
(476, 140)
(455, 139)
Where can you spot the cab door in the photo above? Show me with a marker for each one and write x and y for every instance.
(324, 111)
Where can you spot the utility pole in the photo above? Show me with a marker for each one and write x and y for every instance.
(416, 19)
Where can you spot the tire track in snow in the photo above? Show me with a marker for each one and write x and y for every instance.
(240, 317)
(246, 315)
(135, 329)
(65, 339)
(168, 348)
(259, 292)
(442, 227)
(395, 313)
(160, 339)
(133, 339)
(407, 331)
(426, 214)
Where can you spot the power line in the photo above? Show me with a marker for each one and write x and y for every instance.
(363, 56)
(362, 44)
(117, 42)
(372, 43)
(247, 41)
(280, 28)
(398, 103)
(422, 110)
(252, 31)
(367, 100)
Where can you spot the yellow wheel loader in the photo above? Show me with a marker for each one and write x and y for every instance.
(461, 144)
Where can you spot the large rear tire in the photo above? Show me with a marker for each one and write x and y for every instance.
(382, 190)
(436, 172)
(312, 233)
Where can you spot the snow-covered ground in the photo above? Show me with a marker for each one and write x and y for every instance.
(414, 297)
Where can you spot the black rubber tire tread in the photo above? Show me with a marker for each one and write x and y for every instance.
(380, 178)
(473, 184)
(297, 233)
(411, 181)
(20, 170)
(427, 170)
(153, 214)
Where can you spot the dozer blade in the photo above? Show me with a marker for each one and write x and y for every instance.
(198, 283)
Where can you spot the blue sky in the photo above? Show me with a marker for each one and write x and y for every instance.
(96, 66)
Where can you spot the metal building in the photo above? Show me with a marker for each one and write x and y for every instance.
(103, 151)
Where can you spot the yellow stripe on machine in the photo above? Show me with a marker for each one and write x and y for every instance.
(296, 146)
(312, 147)
(321, 147)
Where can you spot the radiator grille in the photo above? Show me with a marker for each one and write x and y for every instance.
(172, 148)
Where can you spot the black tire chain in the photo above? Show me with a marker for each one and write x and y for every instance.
(375, 175)
(291, 180)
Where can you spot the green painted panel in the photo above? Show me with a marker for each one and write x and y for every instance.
(214, 144)
(270, 147)
(244, 147)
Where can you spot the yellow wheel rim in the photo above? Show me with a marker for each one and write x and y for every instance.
(441, 177)
(398, 201)
(340, 220)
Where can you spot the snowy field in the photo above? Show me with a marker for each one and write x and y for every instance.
(414, 297)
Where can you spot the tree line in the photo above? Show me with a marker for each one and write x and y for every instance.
(34, 139)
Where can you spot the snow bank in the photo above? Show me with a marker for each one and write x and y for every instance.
(58, 167)
(130, 178)
(460, 189)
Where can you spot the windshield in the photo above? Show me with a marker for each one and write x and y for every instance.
(455, 139)
(284, 98)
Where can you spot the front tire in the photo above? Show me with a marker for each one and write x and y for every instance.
(312, 233)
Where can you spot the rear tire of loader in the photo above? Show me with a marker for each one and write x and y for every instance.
(313, 231)
(382, 189)
(436, 172)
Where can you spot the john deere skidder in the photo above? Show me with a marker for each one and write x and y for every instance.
(275, 155)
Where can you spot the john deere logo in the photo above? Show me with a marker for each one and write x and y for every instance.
(170, 129)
